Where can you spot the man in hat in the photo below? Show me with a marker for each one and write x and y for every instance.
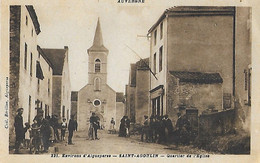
(94, 121)
(71, 127)
(145, 129)
(19, 129)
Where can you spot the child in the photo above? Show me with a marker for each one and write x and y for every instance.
(27, 135)
(63, 129)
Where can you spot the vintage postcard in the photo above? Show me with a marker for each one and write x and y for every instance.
(129, 80)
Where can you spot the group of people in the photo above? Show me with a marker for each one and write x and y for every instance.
(124, 127)
(42, 132)
(160, 129)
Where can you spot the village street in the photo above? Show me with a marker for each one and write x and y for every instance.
(112, 144)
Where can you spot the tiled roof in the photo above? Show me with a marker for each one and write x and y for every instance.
(120, 97)
(44, 56)
(74, 96)
(34, 18)
(193, 10)
(56, 57)
(143, 64)
(197, 77)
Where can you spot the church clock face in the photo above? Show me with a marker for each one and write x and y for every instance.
(96, 102)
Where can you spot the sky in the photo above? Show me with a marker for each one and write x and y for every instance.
(65, 24)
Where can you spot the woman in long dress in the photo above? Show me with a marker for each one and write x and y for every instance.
(122, 129)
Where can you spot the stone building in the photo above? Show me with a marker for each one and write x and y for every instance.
(120, 108)
(199, 51)
(30, 69)
(137, 91)
(97, 96)
(74, 104)
(61, 93)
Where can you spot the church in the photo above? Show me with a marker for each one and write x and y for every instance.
(97, 96)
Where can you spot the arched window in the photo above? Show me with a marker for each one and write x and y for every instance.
(97, 84)
(97, 65)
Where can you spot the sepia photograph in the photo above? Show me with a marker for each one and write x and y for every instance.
(125, 79)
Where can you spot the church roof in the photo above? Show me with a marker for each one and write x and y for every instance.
(98, 40)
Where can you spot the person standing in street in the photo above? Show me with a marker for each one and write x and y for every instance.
(19, 129)
(71, 127)
(94, 121)
(112, 124)
(145, 129)
(63, 129)
(46, 134)
(169, 129)
(122, 127)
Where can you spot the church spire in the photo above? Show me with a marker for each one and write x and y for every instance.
(98, 39)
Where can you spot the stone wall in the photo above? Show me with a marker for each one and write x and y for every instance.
(200, 96)
(141, 95)
(15, 18)
(215, 124)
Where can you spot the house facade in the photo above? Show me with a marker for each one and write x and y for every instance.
(61, 93)
(30, 69)
(189, 44)
(137, 91)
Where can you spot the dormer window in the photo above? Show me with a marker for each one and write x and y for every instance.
(97, 65)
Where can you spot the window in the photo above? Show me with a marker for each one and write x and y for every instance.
(97, 65)
(249, 85)
(63, 111)
(161, 31)
(226, 101)
(38, 85)
(157, 107)
(154, 63)
(155, 35)
(25, 56)
(245, 73)
(96, 102)
(31, 64)
(26, 20)
(29, 111)
(160, 58)
(48, 86)
(39, 54)
(153, 106)
(32, 32)
(97, 84)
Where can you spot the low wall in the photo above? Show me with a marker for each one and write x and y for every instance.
(215, 124)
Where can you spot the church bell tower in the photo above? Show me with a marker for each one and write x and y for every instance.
(97, 61)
